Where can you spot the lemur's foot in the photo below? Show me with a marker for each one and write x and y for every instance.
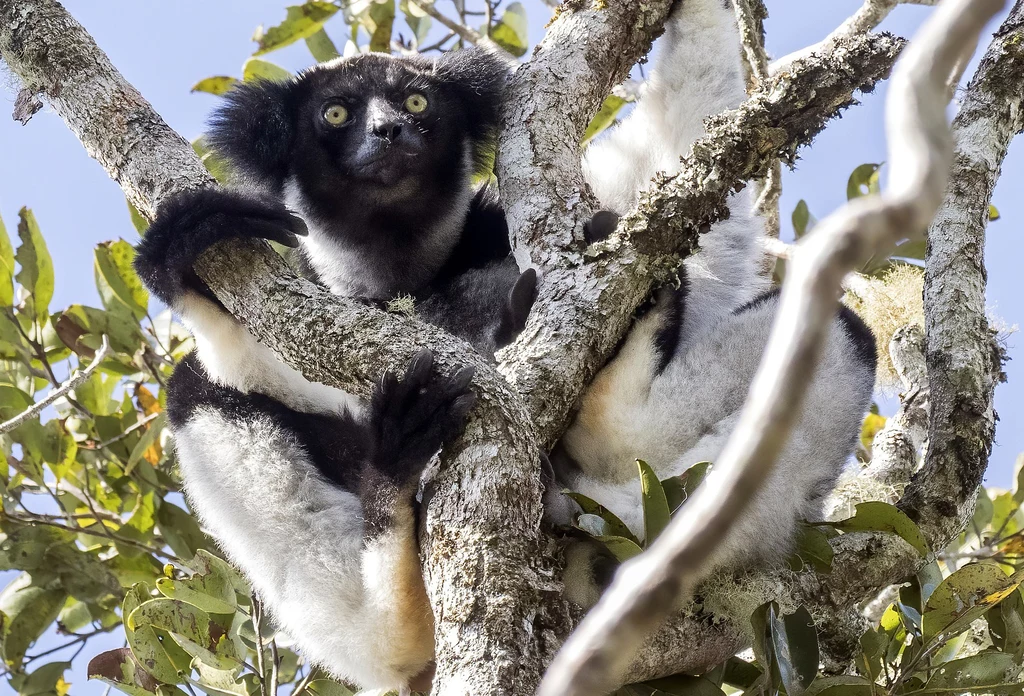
(411, 418)
(189, 223)
(517, 308)
(600, 226)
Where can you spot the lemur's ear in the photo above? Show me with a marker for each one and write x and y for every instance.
(477, 76)
(253, 131)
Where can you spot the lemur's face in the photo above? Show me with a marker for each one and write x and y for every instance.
(392, 137)
(381, 124)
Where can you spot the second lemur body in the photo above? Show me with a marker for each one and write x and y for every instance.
(673, 392)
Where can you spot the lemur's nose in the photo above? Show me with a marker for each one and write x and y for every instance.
(389, 130)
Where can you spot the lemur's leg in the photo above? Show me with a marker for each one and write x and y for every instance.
(185, 226)
(317, 510)
(697, 72)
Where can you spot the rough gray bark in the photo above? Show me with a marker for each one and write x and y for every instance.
(964, 364)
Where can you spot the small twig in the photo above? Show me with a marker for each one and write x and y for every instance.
(106, 534)
(275, 666)
(647, 587)
(257, 619)
(304, 682)
(866, 18)
(464, 32)
(60, 391)
(128, 431)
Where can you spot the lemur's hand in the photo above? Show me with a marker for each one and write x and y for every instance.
(189, 223)
(410, 419)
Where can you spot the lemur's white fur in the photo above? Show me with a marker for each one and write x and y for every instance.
(685, 414)
(358, 610)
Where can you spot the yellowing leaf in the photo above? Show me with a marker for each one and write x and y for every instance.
(36, 274)
(873, 423)
(604, 117)
(300, 22)
(511, 30)
(218, 84)
(257, 69)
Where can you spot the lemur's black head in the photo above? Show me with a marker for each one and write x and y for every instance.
(370, 130)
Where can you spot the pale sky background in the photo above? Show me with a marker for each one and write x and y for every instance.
(163, 48)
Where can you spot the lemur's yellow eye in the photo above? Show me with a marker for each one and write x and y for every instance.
(335, 114)
(416, 104)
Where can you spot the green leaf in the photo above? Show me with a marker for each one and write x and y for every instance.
(964, 597)
(788, 645)
(593, 525)
(883, 517)
(138, 221)
(214, 164)
(81, 328)
(993, 213)
(217, 85)
(987, 672)
(328, 687)
(192, 628)
(511, 31)
(812, 550)
(1007, 516)
(36, 274)
(148, 439)
(118, 285)
(739, 673)
(205, 563)
(983, 511)
(300, 22)
(145, 641)
(911, 249)
(616, 526)
(419, 21)
(45, 680)
(604, 118)
(96, 394)
(6, 268)
(655, 505)
(803, 221)
(258, 69)
(378, 20)
(28, 610)
(863, 181)
(840, 686)
(180, 530)
(321, 47)
(622, 548)
(678, 489)
(1006, 625)
(75, 616)
(211, 592)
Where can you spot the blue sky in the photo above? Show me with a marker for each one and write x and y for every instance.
(165, 47)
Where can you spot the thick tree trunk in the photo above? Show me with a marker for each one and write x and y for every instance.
(964, 361)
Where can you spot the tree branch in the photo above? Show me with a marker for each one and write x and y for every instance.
(964, 364)
(72, 382)
(645, 588)
(588, 296)
(865, 19)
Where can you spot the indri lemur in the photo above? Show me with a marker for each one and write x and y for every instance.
(674, 390)
(308, 491)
